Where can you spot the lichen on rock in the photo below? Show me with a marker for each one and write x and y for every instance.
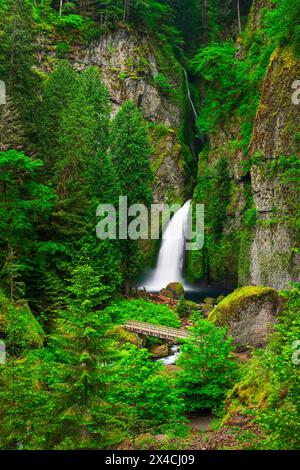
(249, 312)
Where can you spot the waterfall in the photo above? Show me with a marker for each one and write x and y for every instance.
(171, 254)
(189, 94)
(192, 143)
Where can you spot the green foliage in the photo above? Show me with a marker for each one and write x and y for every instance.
(71, 21)
(130, 153)
(19, 326)
(83, 351)
(269, 386)
(280, 419)
(60, 157)
(24, 203)
(219, 67)
(26, 404)
(142, 310)
(163, 84)
(146, 398)
(282, 23)
(17, 53)
(207, 367)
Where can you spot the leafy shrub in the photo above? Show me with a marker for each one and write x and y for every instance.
(141, 310)
(71, 21)
(62, 48)
(163, 84)
(281, 418)
(208, 369)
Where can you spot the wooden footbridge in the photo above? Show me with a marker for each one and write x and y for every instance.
(150, 329)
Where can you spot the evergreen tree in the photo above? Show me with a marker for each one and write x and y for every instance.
(146, 398)
(84, 352)
(26, 404)
(11, 129)
(130, 152)
(207, 367)
(24, 201)
(17, 59)
(58, 90)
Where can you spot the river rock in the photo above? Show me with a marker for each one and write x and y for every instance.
(206, 309)
(249, 312)
(174, 290)
(162, 350)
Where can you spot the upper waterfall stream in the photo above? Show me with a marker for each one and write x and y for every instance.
(189, 94)
(171, 254)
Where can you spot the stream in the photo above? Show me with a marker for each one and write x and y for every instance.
(172, 358)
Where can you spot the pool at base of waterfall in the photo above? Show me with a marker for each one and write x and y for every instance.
(170, 262)
(198, 292)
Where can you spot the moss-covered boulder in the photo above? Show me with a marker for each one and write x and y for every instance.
(185, 308)
(159, 350)
(30, 332)
(206, 309)
(220, 298)
(174, 290)
(249, 312)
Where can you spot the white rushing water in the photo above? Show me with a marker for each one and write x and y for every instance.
(170, 360)
(171, 254)
(189, 94)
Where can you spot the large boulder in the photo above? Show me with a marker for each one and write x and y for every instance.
(249, 312)
(174, 290)
(160, 350)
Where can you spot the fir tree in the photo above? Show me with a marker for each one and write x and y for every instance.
(130, 152)
(146, 397)
(207, 367)
(84, 350)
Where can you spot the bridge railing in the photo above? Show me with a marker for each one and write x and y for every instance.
(144, 327)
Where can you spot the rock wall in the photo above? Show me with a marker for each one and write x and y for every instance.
(131, 65)
(273, 254)
(259, 238)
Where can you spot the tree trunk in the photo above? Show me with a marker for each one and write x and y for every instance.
(127, 288)
(205, 20)
(239, 16)
(60, 7)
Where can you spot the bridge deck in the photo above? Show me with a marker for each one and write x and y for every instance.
(150, 329)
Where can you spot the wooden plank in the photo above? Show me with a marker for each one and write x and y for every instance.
(155, 330)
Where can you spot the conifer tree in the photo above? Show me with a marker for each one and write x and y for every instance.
(146, 398)
(84, 350)
(130, 151)
(11, 129)
(24, 201)
(207, 367)
(58, 90)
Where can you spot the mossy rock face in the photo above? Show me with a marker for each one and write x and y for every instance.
(166, 293)
(249, 312)
(125, 336)
(176, 289)
(209, 300)
(32, 335)
(220, 298)
(159, 351)
(192, 306)
(206, 309)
